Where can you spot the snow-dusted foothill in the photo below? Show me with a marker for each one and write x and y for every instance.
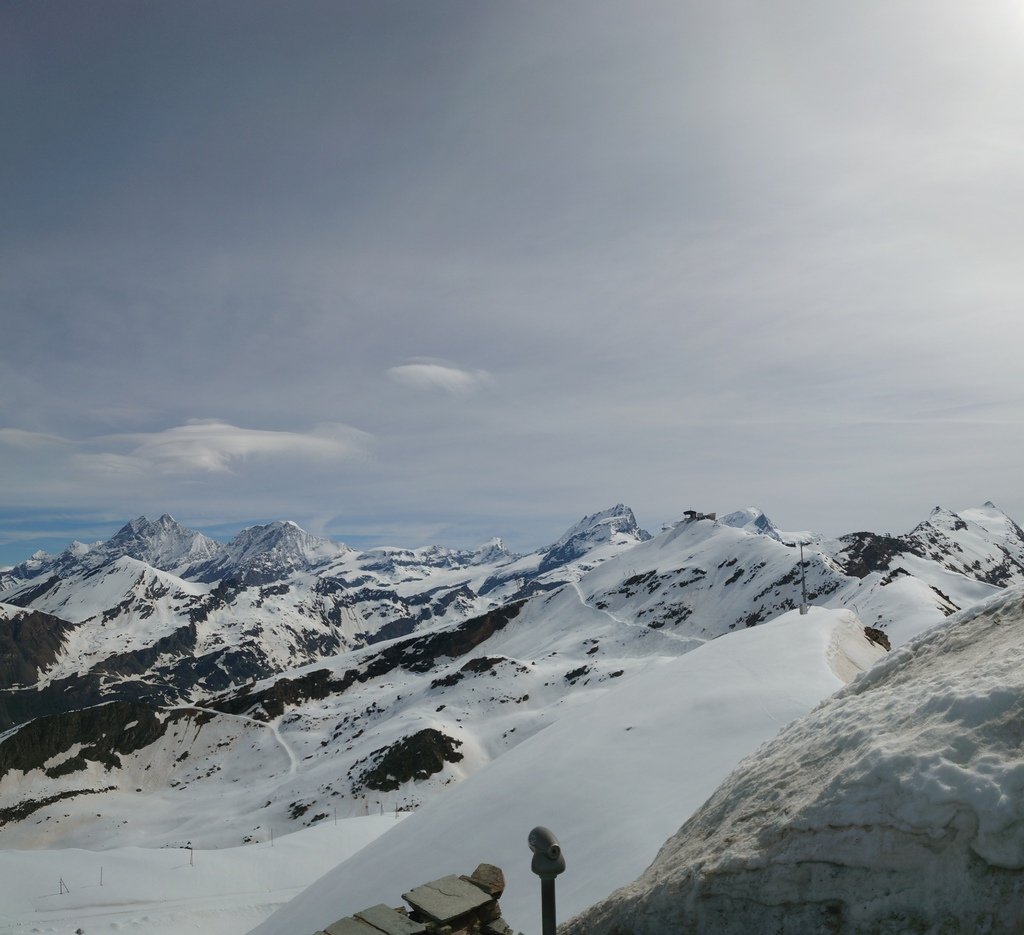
(608, 777)
(896, 806)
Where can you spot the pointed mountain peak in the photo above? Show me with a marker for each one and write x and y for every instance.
(602, 525)
(491, 551)
(164, 544)
(269, 552)
(752, 520)
(615, 525)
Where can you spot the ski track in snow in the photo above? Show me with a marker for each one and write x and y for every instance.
(691, 640)
(293, 760)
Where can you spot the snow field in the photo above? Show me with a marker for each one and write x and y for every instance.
(171, 891)
(897, 805)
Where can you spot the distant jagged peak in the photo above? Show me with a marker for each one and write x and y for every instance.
(752, 520)
(616, 526)
(268, 552)
(77, 549)
(987, 517)
(601, 526)
(493, 550)
(163, 543)
(284, 537)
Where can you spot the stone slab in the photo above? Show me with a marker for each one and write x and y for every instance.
(447, 898)
(388, 921)
(350, 926)
(489, 878)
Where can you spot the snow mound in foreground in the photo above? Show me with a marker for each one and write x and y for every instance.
(895, 806)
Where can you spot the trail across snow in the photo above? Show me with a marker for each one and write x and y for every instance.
(293, 760)
(691, 641)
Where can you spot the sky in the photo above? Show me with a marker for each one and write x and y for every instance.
(410, 272)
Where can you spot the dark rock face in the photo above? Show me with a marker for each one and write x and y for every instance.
(130, 676)
(104, 731)
(418, 756)
(28, 644)
(879, 637)
(866, 552)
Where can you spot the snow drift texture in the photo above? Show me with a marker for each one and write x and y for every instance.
(895, 806)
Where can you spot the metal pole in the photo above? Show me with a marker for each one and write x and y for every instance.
(548, 863)
(803, 583)
(547, 906)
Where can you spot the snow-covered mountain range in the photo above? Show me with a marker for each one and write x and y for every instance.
(281, 679)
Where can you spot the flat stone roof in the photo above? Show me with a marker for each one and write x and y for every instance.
(447, 898)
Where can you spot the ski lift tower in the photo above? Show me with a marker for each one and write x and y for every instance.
(804, 607)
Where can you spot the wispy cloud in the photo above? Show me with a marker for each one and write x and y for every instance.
(209, 446)
(28, 441)
(430, 375)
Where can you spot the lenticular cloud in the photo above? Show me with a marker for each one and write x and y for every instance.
(433, 376)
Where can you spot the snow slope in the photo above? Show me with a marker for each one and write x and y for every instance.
(608, 777)
(170, 891)
(896, 806)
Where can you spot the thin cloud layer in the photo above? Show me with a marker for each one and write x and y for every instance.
(434, 376)
(209, 446)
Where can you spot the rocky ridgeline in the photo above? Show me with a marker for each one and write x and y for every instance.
(451, 905)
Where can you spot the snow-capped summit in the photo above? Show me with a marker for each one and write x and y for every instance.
(616, 525)
(983, 543)
(164, 544)
(261, 554)
(493, 551)
(601, 526)
(753, 520)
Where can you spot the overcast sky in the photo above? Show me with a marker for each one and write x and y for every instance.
(415, 271)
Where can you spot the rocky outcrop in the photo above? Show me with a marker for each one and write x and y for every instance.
(64, 744)
(418, 756)
(29, 642)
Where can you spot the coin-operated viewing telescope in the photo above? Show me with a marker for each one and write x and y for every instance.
(548, 863)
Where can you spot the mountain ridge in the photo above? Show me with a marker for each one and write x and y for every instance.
(346, 663)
